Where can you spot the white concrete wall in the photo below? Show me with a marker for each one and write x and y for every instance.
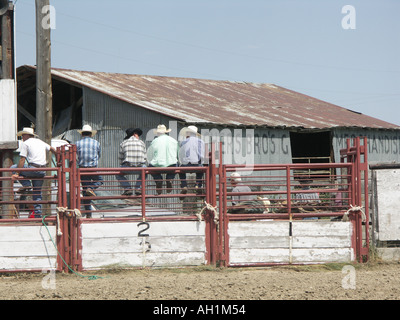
(257, 242)
(27, 248)
(168, 244)
(387, 192)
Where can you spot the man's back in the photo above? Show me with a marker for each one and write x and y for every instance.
(164, 151)
(133, 150)
(88, 152)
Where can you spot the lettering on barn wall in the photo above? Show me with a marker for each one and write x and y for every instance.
(382, 146)
(267, 142)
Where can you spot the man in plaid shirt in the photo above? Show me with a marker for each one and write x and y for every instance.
(88, 151)
(132, 153)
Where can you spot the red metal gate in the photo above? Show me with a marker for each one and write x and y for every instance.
(343, 195)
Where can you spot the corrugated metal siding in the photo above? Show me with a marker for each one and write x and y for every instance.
(111, 117)
(383, 145)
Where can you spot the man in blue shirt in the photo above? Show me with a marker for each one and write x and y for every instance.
(88, 152)
(191, 154)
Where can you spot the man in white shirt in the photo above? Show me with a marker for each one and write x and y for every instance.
(32, 150)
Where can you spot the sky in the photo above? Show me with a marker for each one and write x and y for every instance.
(343, 52)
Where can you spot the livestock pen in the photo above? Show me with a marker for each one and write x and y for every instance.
(200, 227)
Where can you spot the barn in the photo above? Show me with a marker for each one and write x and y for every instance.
(261, 123)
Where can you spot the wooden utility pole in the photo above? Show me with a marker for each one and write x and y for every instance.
(44, 108)
(44, 103)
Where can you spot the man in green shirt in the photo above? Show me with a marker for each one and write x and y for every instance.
(163, 152)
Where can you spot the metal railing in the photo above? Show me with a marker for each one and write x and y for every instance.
(279, 191)
(154, 198)
(37, 200)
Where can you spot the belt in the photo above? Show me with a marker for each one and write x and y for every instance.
(37, 165)
(131, 164)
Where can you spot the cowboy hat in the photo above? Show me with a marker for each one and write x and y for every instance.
(130, 132)
(189, 131)
(26, 130)
(235, 177)
(161, 129)
(87, 128)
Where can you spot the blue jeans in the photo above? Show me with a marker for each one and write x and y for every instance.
(90, 181)
(36, 184)
(158, 176)
(199, 175)
(123, 181)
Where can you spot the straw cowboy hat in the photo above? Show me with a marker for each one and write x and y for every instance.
(235, 177)
(87, 128)
(27, 130)
(190, 130)
(161, 129)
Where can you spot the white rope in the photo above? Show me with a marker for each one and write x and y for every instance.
(59, 233)
(211, 208)
(77, 213)
(354, 209)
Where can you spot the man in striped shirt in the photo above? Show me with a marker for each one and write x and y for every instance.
(88, 153)
(132, 153)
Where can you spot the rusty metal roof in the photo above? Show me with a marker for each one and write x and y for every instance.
(221, 102)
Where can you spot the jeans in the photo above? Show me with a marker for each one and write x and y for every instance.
(158, 176)
(90, 181)
(36, 185)
(199, 175)
(125, 184)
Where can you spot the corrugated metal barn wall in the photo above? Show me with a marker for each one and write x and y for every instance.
(111, 117)
(383, 145)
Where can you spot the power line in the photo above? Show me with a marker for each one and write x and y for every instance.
(219, 50)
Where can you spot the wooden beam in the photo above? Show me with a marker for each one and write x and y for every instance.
(26, 113)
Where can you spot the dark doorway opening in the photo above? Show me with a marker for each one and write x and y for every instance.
(312, 147)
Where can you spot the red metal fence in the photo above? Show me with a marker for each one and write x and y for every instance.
(276, 190)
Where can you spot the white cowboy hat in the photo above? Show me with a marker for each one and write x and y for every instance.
(87, 128)
(161, 129)
(235, 177)
(190, 130)
(27, 130)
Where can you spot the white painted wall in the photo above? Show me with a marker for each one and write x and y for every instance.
(168, 244)
(8, 110)
(252, 242)
(27, 247)
(387, 185)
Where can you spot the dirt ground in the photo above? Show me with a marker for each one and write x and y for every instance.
(377, 281)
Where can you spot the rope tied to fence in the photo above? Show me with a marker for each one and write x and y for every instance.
(61, 209)
(77, 212)
(211, 208)
(354, 209)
